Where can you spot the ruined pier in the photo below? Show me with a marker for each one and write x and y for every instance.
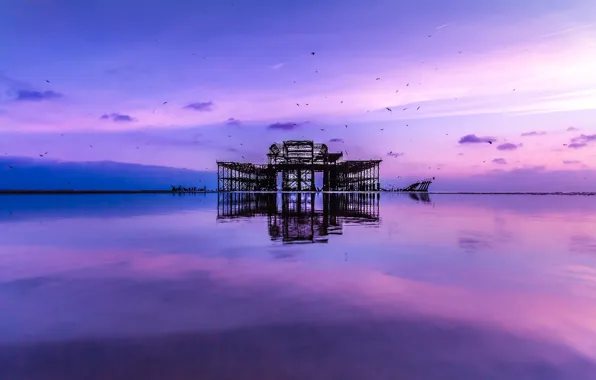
(296, 162)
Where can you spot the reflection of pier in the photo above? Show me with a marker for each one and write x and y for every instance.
(420, 197)
(301, 217)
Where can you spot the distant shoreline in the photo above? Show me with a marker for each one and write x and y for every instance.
(77, 192)
(67, 192)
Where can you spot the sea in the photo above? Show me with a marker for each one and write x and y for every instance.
(297, 286)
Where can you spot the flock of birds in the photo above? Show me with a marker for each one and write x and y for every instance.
(389, 109)
(182, 189)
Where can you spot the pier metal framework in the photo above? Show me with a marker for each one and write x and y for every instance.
(421, 186)
(298, 161)
(301, 217)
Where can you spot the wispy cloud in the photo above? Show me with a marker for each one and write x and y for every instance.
(277, 66)
(395, 154)
(200, 106)
(572, 129)
(576, 145)
(500, 161)
(571, 162)
(118, 118)
(507, 146)
(473, 139)
(284, 126)
(564, 31)
(120, 70)
(442, 26)
(232, 121)
(36, 96)
(533, 133)
(581, 141)
(164, 140)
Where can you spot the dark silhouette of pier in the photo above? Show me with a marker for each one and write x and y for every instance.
(297, 162)
(421, 186)
(301, 217)
(418, 187)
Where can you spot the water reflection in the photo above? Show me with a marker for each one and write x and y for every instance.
(180, 287)
(302, 217)
(420, 197)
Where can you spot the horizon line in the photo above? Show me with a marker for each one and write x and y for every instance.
(91, 191)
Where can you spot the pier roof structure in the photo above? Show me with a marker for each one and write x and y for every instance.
(297, 161)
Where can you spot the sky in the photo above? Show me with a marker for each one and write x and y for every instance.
(423, 85)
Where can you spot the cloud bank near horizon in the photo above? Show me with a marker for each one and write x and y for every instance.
(39, 174)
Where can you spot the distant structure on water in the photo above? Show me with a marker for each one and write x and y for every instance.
(297, 161)
(418, 187)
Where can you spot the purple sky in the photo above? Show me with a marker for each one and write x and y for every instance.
(518, 73)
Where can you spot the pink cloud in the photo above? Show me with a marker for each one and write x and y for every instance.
(537, 313)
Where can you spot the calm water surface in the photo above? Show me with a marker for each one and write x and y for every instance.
(297, 287)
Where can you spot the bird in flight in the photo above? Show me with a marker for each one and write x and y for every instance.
(388, 109)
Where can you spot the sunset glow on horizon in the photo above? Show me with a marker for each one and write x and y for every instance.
(184, 83)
